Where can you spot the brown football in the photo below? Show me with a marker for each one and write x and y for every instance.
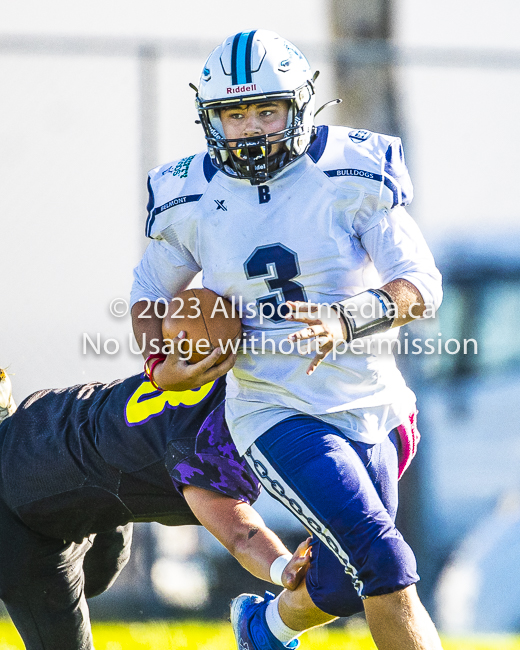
(208, 319)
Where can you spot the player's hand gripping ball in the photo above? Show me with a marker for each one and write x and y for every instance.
(209, 321)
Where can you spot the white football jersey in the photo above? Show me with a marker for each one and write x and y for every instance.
(327, 227)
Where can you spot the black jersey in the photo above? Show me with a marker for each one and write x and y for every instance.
(86, 459)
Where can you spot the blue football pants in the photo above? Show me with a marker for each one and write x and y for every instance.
(345, 493)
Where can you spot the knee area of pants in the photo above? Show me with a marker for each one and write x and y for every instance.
(390, 566)
(342, 604)
(331, 589)
(95, 585)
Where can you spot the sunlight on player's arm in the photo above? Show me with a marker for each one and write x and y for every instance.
(239, 528)
(408, 300)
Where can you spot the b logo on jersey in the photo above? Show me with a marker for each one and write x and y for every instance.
(359, 136)
(264, 194)
(147, 402)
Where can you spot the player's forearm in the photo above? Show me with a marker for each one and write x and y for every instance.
(408, 300)
(147, 328)
(254, 545)
(367, 313)
(238, 527)
(264, 555)
(257, 550)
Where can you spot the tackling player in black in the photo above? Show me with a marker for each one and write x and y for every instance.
(79, 465)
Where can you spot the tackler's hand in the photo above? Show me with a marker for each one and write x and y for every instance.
(324, 325)
(297, 567)
(175, 373)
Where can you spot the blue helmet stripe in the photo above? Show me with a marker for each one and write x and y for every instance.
(249, 47)
(234, 60)
(241, 58)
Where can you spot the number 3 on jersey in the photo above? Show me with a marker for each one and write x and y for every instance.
(278, 265)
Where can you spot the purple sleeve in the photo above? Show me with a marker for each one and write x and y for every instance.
(216, 464)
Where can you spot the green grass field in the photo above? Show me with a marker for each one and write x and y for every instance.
(193, 635)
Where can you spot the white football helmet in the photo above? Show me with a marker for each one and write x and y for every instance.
(249, 68)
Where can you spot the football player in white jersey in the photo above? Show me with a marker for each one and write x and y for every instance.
(299, 224)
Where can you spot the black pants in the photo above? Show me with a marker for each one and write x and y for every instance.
(44, 582)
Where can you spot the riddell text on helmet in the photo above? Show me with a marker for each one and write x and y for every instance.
(241, 89)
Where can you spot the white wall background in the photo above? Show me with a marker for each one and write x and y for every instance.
(165, 18)
(68, 206)
(462, 120)
(71, 206)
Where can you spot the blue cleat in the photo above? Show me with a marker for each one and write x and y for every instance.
(250, 627)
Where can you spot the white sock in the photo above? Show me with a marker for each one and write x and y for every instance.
(274, 622)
